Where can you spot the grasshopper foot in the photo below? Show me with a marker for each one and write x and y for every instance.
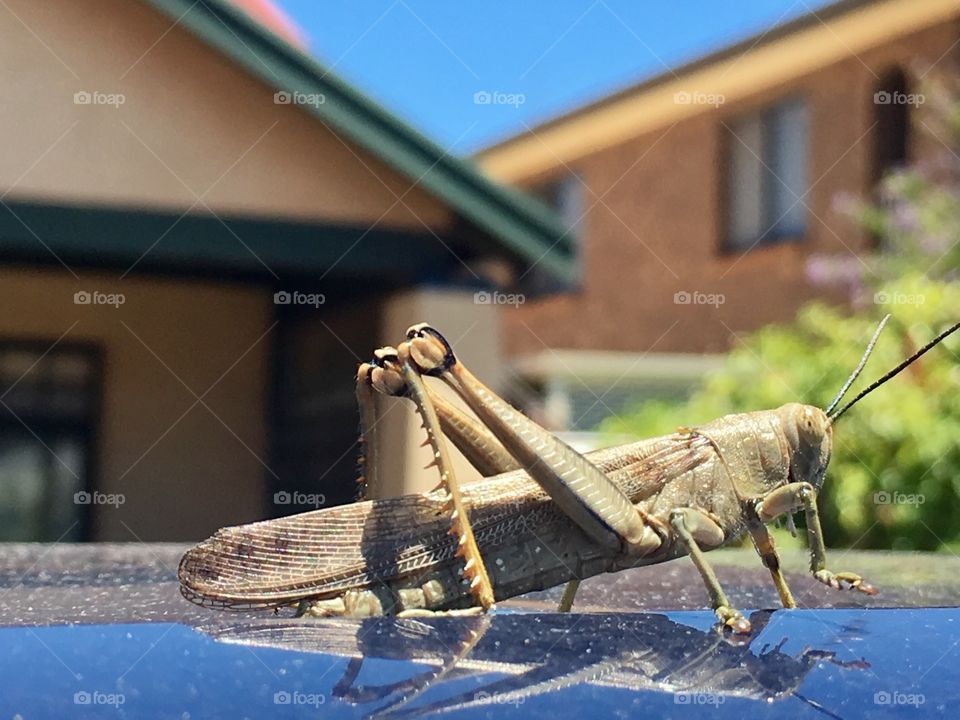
(733, 619)
(845, 581)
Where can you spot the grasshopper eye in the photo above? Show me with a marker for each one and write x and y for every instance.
(811, 424)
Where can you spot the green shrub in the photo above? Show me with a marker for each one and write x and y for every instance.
(894, 480)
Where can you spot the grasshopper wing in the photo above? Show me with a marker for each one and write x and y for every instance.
(326, 552)
(313, 554)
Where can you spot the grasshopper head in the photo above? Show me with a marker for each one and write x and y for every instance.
(810, 436)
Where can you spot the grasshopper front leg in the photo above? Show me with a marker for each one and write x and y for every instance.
(802, 495)
(763, 542)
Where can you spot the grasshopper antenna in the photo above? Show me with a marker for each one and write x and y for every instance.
(896, 371)
(863, 361)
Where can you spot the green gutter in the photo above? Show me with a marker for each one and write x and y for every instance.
(523, 225)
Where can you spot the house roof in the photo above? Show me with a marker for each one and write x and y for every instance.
(268, 14)
(781, 53)
(522, 226)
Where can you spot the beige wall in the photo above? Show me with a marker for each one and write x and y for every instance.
(184, 472)
(192, 124)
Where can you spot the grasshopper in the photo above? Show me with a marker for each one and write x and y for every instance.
(544, 516)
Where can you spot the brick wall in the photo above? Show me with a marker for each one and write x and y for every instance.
(654, 225)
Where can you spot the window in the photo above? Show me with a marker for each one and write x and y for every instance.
(766, 175)
(891, 136)
(49, 404)
(892, 116)
(314, 430)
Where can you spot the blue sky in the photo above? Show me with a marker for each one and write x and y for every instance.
(425, 59)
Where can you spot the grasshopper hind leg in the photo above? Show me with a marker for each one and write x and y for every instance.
(582, 491)
(694, 528)
(372, 378)
(474, 568)
(392, 373)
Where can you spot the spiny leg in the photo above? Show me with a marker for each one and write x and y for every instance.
(485, 453)
(383, 375)
(481, 449)
(474, 569)
(584, 493)
(763, 542)
(367, 461)
(473, 439)
(693, 528)
(386, 375)
(793, 497)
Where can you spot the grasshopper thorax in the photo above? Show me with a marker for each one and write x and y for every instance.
(809, 436)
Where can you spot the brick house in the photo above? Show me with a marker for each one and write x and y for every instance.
(696, 197)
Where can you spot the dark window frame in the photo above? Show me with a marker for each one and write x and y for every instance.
(892, 133)
(43, 425)
(891, 136)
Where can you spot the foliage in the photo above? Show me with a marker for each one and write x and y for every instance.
(894, 480)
